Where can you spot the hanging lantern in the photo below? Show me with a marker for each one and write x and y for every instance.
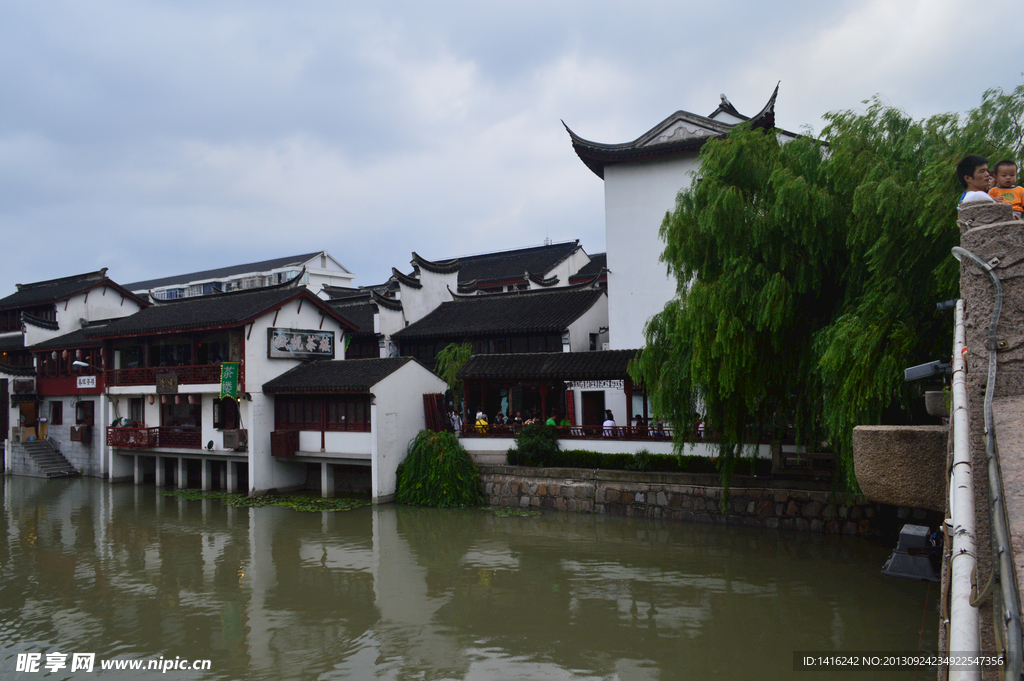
(78, 354)
(152, 399)
(53, 355)
(177, 399)
(191, 399)
(64, 355)
(163, 399)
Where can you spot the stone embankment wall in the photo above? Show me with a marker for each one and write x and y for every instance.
(753, 502)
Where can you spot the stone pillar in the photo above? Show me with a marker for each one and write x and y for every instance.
(232, 477)
(138, 469)
(161, 472)
(989, 231)
(207, 476)
(181, 479)
(326, 480)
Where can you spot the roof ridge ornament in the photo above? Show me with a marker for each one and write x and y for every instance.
(435, 266)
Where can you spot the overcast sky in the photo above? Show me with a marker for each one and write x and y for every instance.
(156, 138)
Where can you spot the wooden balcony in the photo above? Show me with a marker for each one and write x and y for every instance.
(200, 373)
(177, 437)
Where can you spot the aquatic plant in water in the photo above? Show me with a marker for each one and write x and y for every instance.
(297, 502)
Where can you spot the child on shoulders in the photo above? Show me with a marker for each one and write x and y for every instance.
(974, 177)
(1006, 189)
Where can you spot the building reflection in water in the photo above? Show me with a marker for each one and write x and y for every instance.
(397, 592)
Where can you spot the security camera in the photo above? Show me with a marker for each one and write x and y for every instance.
(925, 370)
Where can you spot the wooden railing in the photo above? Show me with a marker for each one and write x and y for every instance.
(198, 373)
(576, 432)
(179, 437)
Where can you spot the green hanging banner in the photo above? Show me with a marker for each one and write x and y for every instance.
(229, 380)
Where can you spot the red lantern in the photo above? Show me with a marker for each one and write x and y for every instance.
(177, 399)
(191, 399)
(152, 399)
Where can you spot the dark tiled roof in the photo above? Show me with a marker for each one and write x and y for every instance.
(76, 339)
(337, 375)
(342, 292)
(503, 265)
(597, 155)
(219, 310)
(262, 266)
(12, 342)
(359, 312)
(565, 366)
(17, 371)
(598, 263)
(53, 290)
(541, 311)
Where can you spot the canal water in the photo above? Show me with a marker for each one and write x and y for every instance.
(395, 592)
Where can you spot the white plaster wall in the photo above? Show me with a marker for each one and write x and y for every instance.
(336, 442)
(568, 267)
(637, 196)
(347, 442)
(266, 472)
(258, 367)
(387, 322)
(100, 303)
(397, 418)
(419, 302)
(589, 322)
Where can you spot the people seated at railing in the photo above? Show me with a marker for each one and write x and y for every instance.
(609, 423)
(481, 422)
(552, 421)
(639, 425)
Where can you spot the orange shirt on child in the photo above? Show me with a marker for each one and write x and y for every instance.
(1012, 195)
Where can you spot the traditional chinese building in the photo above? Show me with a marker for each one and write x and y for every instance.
(641, 181)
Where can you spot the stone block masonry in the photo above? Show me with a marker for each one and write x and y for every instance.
(802, 506)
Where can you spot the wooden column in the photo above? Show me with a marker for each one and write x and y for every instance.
(628, 387)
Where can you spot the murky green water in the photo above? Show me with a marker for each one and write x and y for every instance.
(405, 593)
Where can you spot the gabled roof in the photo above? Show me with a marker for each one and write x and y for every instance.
(223, 272)
(565, 366)
(681, 132)
(538, 311)
(598, 265)
(214, 311)
(53, 290)
(499, 266)
(359, 311)
(336, 376)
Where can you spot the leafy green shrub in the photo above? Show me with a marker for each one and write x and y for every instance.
(535, 446)
(437, 471)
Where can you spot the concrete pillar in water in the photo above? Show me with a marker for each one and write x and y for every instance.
(232, 477)
(326, 480)
(207, 476)
(138, 469)
(161, 472)
(182, 474)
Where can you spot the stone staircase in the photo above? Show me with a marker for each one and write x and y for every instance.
(49, 460)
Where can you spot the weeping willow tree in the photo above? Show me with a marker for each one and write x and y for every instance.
(807, 276)
(449, 363)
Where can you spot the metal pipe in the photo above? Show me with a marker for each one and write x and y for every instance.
(964, 634)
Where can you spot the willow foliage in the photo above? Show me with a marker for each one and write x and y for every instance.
(437, 471)
(449, 363)
(808, 274)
